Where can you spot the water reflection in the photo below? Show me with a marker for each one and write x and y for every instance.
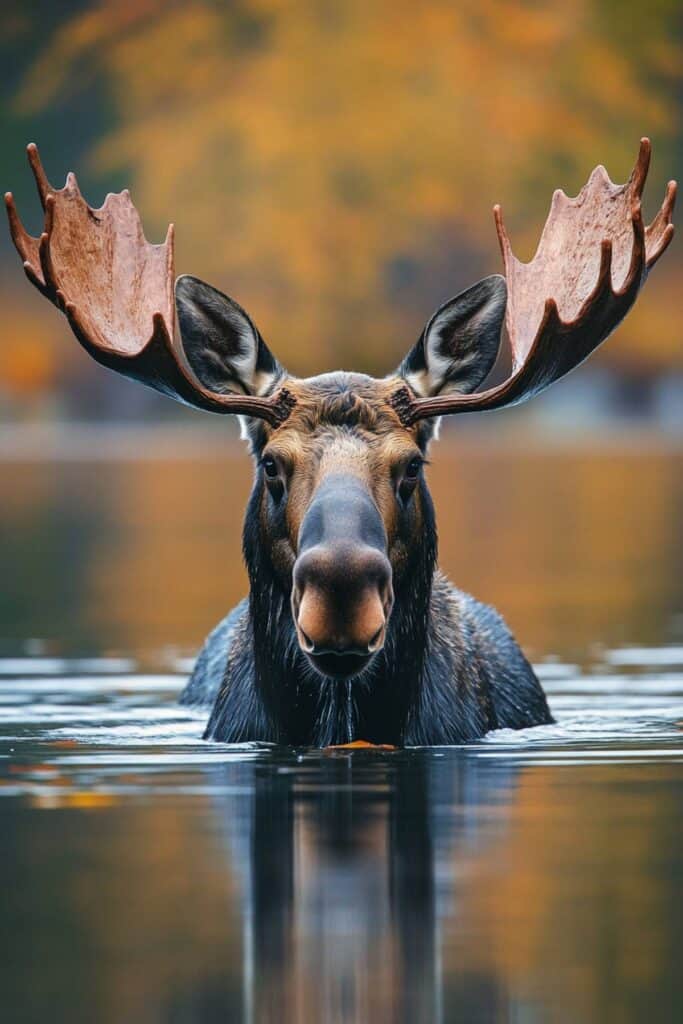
(420, 899)
(575, 548)
(339, 883)
(419, 886)
(148, 876)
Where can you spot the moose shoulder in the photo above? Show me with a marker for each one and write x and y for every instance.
(349, 630)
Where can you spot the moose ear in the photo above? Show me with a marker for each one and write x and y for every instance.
(221, 343)
(460, 343)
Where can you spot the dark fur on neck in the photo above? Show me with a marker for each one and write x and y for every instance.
(449, 672)
(271, 692)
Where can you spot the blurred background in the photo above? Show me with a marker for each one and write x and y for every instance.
(332, 166)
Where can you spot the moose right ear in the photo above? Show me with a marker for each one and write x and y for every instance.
(222, 345)
(460, 343)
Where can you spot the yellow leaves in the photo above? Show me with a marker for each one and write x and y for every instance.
(302, 149)
(85, 34)
(29, 364)
(651, 335)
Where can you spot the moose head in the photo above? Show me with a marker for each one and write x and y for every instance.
(340, 522)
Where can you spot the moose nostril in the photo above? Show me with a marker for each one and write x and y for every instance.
(307, 643)
(341, 600)
(376, 641)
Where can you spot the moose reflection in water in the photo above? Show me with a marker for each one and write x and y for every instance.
(340, 884)
(349, 630)
(260, 885)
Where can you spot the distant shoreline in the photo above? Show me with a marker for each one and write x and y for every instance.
(89, 442)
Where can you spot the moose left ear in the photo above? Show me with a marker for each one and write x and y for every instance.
(460, 343)
(221, 343)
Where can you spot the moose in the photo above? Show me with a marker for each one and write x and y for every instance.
(350, 632)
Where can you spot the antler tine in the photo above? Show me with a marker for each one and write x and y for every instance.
(119, 304)
(44, 253)
(43, 185)
(25, 244)
(641, 167)
(660, 232)
(501, 230)
(592, 260)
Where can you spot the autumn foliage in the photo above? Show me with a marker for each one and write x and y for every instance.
(333, 165)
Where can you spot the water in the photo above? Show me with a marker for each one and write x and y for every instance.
(149, 876)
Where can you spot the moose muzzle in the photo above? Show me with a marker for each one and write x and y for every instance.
(342, 594)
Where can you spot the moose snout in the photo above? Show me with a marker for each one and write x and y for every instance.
(341, 602)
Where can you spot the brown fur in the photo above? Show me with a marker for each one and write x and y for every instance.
(443, 668)
(333, 429)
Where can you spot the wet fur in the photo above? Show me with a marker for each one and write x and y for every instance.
(473, 678)
(450, 670)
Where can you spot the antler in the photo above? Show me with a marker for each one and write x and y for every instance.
(593, 258)
(116, 290)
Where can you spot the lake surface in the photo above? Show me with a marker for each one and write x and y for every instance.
(148, 876)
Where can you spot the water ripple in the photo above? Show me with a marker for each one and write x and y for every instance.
(92, 726)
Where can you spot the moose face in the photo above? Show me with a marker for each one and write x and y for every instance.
(340, 502)
(341, 506)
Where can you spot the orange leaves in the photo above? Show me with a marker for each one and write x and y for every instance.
(303, 149)
(29, 355)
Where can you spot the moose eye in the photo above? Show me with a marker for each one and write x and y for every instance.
(413, 468)
(270, 467)
(408, 480)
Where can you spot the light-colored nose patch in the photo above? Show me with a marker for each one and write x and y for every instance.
(319, 625)
(332, 451)
(344, 454)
